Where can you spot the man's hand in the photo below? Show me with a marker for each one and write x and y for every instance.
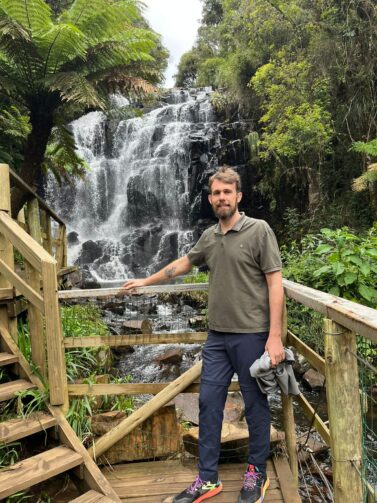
(130, 286)
(275, 349)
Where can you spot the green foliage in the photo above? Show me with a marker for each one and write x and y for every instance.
(9, 453)
(58, 64)
(196, 276)
(338, 262)
(82, 320)
(24, 343)
(79, 414)
(31, 400)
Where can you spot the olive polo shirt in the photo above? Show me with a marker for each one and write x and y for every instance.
(237, 262)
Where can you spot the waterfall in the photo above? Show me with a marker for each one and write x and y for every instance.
(134, 210)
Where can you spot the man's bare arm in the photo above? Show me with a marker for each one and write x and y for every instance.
(176, 268)
(274, 344)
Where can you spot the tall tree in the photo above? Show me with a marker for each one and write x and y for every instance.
(52, 64)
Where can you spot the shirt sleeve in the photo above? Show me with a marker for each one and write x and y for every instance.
(270, 260)
(196, 255)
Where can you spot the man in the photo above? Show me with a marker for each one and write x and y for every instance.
(245, 306)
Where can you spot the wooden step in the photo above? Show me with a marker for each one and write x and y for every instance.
(14, 429)
(7, 359)
(8, 389)
(33, 470)
(92, 497)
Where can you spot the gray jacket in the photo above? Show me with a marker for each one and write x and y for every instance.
(281, 377)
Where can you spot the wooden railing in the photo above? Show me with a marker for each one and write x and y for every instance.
(40, 291)
(342, 320)
(38, 219)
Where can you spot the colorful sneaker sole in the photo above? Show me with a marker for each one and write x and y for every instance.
(264, 490)
(210, 494)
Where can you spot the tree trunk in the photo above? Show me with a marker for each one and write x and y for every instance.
(314, 189)
(41, 120)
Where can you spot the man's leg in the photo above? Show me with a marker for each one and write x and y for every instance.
(216, 376)
(244, 349)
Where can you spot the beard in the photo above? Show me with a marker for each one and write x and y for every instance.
(224, 212)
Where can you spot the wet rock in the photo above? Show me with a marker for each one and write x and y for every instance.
(88, 282)
(172, 356)
(197, 321)
(313, 379)
(73, 238)
(90, 251)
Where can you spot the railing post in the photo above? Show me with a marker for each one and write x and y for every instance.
(288, 415)
(37, 339)
(6, 248)
(57, 373)
(46, 229)
(343, 401)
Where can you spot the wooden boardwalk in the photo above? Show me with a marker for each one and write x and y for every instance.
(159, 481)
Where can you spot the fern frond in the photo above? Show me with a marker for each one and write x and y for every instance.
(61, 156)
(74, 88)
(119, 80)
(33, 15)
(61, 43)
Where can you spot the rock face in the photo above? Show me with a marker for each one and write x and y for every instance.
(144, 200)
(157, 436)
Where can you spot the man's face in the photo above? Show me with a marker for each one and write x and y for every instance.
(224, 199)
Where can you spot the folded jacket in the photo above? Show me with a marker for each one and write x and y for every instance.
(272, 379)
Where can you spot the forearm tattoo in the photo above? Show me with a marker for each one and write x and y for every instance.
(169, 273)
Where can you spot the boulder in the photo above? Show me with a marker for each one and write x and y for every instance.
(157, 436)
(314, 379)
(170, 357)
(234, 440)
(188, 407)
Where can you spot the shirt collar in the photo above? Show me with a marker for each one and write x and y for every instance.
(236, 227)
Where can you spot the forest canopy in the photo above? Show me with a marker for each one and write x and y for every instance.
(304, 73)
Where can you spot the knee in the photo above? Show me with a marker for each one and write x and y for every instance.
(212, 396)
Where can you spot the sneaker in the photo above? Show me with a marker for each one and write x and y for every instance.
(255, 485)
(199, 490)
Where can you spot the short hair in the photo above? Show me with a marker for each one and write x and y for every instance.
(227, 175)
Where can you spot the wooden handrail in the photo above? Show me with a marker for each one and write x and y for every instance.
(16, 181)
(24, 243)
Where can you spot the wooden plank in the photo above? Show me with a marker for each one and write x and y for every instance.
(8, 390)
(146, 410)
(343, 405)
(4, 188)
(36, 469)
(311, 356)
(59, 256)
(67, 270)
(92, 497)
(57, 374)
(137, 339)
(132, 389)
(22, 286)
(6, 293)
(287, 482)
(354, 316)
(148, 290)
(15, 429)
(92, 475)
(7, 359)
(16, 307)
(318, 424)
(273, 495)
(32, 251)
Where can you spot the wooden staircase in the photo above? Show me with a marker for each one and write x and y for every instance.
(70, 455)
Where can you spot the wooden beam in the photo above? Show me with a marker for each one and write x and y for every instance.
(343, 404)
(133, 340)
(132, 389)
(354, 316)
(57, 374)
(22, 286)
(32, 251)
(148, 290)
(6, 293)
(16, 307)
(67, 270)
(287, 483)
(145, 411)
(318, 424)
(311, 356)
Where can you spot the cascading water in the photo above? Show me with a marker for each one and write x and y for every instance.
(131, 213)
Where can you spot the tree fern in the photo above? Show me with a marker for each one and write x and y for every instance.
(33, 15)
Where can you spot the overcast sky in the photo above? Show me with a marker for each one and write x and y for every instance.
(177, 21)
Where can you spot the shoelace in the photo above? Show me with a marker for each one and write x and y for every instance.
(250, 480)
(198, 482)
